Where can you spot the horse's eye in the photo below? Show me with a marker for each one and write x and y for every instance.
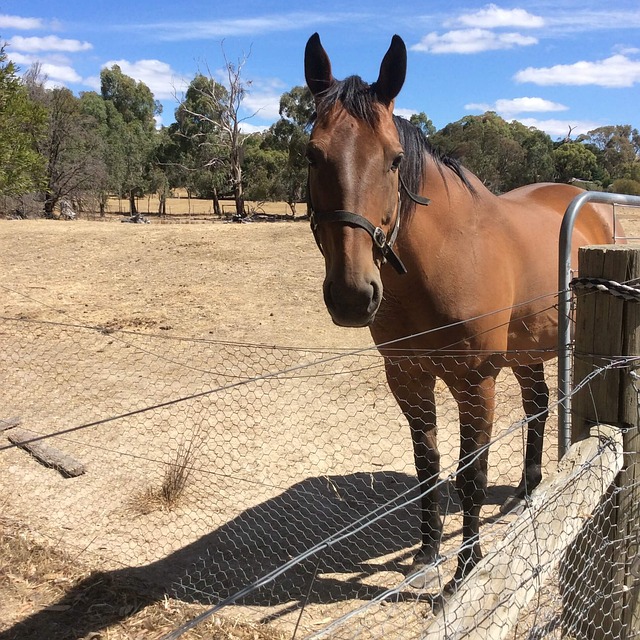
(310, 155)
(396, 162)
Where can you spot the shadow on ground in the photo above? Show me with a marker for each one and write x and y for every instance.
(258, 542)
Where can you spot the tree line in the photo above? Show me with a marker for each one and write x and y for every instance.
(56, 147)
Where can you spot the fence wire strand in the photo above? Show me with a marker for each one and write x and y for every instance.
(277, 483)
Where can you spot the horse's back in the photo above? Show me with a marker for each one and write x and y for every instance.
(545, 204)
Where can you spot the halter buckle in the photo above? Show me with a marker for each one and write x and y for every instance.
(379, 238)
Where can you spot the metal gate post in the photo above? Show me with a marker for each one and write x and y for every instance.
(564, 304)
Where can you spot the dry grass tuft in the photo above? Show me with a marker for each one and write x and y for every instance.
(45, 593)
(174, 484)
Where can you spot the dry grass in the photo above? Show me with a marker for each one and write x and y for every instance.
(48, 595)
(174, 483)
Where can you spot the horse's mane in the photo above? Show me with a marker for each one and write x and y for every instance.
(359, 99)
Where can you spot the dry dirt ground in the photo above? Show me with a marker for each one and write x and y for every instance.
(205, 347)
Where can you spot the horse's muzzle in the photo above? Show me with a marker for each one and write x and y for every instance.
(351, 306)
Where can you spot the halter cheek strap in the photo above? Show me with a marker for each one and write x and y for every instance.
(379, 237)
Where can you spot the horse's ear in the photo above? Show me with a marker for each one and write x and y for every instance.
(393, 71)
(317, 66)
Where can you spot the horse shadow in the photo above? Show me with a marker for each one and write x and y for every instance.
(378, 509)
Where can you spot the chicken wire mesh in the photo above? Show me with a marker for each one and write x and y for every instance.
(212, 465)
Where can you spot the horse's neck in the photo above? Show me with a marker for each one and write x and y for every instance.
(453, 208)
(435, 240)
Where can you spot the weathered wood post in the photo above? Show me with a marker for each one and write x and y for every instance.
(600, 575)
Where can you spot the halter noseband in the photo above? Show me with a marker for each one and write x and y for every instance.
(379, 237)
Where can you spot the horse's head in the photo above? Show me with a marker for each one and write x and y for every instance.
(353, 155)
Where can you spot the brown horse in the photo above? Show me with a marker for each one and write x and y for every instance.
(457, 289)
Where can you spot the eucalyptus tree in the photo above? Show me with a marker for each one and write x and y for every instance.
(574, 160)
(277, 167)
(22, 123)
(504, 155)
(423, 122)
(213, 110)
(68, 145)
(617, 148)
(131, 125)
(201, 163)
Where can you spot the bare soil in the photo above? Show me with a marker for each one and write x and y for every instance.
(104, 326)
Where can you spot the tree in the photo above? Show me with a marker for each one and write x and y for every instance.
(218, 107)
(93, 105)
(617, 148)
(68, 146)
(626, 185)
(131, 124)
(538, 163)
(283, 149)
(200, 162)
(486, 146)
(574, 160)
(22, 122)
(423, 122)
(504, 155)
(297, 106)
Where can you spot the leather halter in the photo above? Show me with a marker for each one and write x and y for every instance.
(379, 237)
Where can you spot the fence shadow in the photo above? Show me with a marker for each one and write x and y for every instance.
(258, 541)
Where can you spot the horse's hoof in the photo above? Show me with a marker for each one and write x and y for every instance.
(425, 580)
(452, 586)
(423, 573)
(515, 505)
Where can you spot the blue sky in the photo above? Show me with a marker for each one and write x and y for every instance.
(552, 65)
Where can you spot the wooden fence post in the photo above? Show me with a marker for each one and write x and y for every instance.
(600, 574)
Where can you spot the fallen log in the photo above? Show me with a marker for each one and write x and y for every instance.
(45, 453)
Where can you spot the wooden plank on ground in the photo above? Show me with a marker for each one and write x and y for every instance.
(490, 600)
(45, 453)
(9, 423)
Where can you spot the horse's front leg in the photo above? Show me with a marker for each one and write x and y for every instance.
(535, 401)
(475, 395)
(413, 388)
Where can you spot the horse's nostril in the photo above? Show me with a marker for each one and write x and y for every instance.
(375, 297)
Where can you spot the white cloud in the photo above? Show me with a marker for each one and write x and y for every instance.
(57, 71)
(93, 82)
(509, 108)
(561, 22)
(493, 17)
(616, 71)
(48, 43)
(405, 113)
(263, 98)
(247, 26)
(163, 81)
(263, 105)
(17, 22)
(61, 74)
(247, 128)
(556, 128)
(626, 51)
(471, 41)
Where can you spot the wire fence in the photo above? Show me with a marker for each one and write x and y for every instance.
(273, 484)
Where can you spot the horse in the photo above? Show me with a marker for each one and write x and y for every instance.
(453, 281)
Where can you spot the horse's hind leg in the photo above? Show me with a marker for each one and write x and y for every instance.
(535, 401)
